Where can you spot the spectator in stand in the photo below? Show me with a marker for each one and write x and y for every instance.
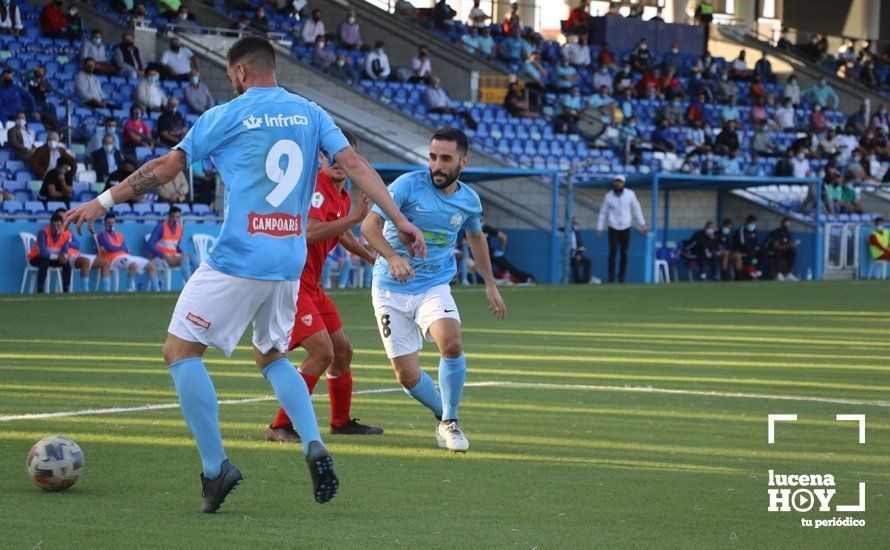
(758, 114)
(792, 91)
(781, 250)
(171, 124)
(136, 131)
(313, 28)
(818, 122)
(21, 138)
(179, 61)
(110, 130)
(88, 87)
(95, 48)
(619, 210)
(515, 103)
(348, 32)
(640, 57)
(763, 141)
(569, 110)
(377, 63)
(53, 22)
(613, 10)
(10, 18)
(649, 85)
(511, 48)
(76, 28)
(566, 75)
(823, 94)
(197, 94)
(127, 58)
(14, 99)
(113, 249)
(846, 142)
(725, 89)
(242, 24)
(879, 241)
(707, 65)
(342, 70)
(534, 78)
(672, 58)
(606, 58)
(670, 85)
(106, 160)
(124, 170)
(471, 41)
(699, 86)
(696, 110)
(800, 165)
(487, 47)
(149, 92)
(322, 57)
(661, 140)
(696, 141)
(48, 155)
(701, 249)
(602, 79)
(746, 250)
(731, 165)
(512, 20)
(764, 69)
(577, 51)
(730, 112)
(784, 115)
(623, 81)
(672, 112)
(421, 68)
(727, 140)
(57, 185)
(406, 8)
(783, 43)
(39, 86)
(477, 18)
(847, 51)
(139, 11)
(738, 70)
(880, 120)
(579, 19)
(756, 90)
(50, 250)
(165, 244)
(657, 18)
(184, 17)
(636, 12)
(259, 21)
(437, 101)
(176, 191)
(443, 15)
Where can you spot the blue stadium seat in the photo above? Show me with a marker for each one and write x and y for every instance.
(161, 208)
(13, 207)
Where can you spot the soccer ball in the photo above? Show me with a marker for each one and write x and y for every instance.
(55, 463)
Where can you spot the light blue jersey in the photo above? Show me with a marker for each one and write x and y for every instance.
(265, 145)
(441, 218)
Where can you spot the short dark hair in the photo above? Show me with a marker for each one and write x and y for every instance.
(878, 220)
(174, 210)
(751, 218)
(253, 50)
(59, 211)
(110, 215)
(456, 135)
(350, 137)
(56, 218)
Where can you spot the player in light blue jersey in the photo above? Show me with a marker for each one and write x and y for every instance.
(265, 144)
(422, 308)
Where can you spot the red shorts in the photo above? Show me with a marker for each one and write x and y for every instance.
(315, 312)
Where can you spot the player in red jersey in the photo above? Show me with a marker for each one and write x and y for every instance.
(317, 327)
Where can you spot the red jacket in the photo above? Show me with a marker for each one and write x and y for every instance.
(53, 19)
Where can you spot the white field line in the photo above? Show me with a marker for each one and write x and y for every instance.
(490, 383)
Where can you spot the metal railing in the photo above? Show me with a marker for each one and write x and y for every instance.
(842, 244)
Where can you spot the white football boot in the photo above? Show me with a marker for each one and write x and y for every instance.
(449, 435)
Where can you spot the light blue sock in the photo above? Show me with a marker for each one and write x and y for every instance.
(425, 391)
(106, 284)
(292, 393)
(153, 283)
(185, 266)
(452, 375)
(85, 284)
(131, 282)
(197, 400)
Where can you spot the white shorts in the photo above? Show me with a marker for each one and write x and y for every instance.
(90, 257)
(214, 309)
(404, 319)
(124, 261)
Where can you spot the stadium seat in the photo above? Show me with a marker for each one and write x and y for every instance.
(54, 273)
(202, 243)
(161, 208)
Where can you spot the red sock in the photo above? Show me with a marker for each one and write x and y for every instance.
(281, 419)
(340, 390)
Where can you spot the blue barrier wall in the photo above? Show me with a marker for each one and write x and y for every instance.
(623, 33)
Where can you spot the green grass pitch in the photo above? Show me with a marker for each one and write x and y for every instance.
(598, 417)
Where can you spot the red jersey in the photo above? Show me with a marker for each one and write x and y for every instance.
(328, 205)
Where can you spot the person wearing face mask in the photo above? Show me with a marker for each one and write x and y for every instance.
(342, 69)
(641, 57)
(619, 210)
(197, 94)
(781, 249)
(746, 250)
(602, 79)
(149, 92)
(110, 129)
(10, 18)
(15, 99)
(259, 21)
(53, 20)
(724, 248)
(39, 86)
(171, 124)
(377, 63)
(88, 86)
(76, 28)
(700, 250)
(606, 57)
(57, 186)
(672, 59)
(185, 17)
(95, 49)
(879, 241)
(241, 24)
(127, 58)
(106, 160)
(179, 61)
(50, 250)
(818, 122)
(823, 94)
(312, 29)
(348, 32)
(577, 51)
(48, 155)
(21, 138)
(470, 41)
(725, 88)
(136, 131)
(322, 56)
(113, 249)
(421, 68)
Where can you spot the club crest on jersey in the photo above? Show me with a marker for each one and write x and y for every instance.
(252, 122)
(317, 199)
(275, 225)
(457, 219)
(307, 319)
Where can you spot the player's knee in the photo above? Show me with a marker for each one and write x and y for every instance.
(452, 348)
(408, 379)
(343, 352)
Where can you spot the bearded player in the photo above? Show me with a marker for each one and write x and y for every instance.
(421, 308)
(317, 327)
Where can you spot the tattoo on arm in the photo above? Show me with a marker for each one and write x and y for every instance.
(144, 180)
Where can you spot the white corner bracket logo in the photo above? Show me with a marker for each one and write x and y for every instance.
(252, 122)
(812, 491)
